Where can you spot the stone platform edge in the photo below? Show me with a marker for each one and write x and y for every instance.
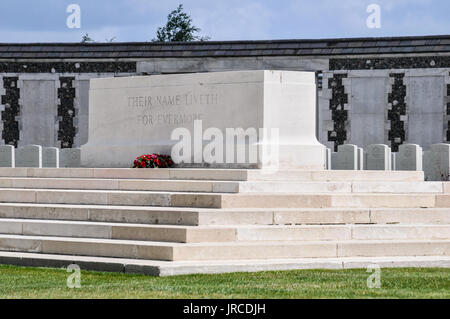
(162, 268)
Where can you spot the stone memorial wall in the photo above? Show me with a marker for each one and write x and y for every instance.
(390, 91)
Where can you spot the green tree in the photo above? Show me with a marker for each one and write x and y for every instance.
(178, 28)
(87, 39)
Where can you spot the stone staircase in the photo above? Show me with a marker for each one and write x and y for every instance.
(177, 221)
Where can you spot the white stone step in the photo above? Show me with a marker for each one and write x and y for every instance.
(191, 234)
(208, 186)
(222, 251)
(166, 233)
(205, 216)
(214, 174)
(102, 213)
(342, 187)
(343, 232)
(334, 175)
(128, 173)
(165, 268)
(284, 200)
(120, 184)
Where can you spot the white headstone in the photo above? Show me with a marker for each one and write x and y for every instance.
(409, 158)
(427, 161)
(440, 159)
(378, 157)
(50, 157)
(327, 158)
(7, 156)
(333, 160)
(69, 157)
(29, 156)
(360, 159)
(347, 157)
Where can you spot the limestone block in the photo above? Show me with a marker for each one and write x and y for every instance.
(7, 158)
(409, 158)
(29, 156)
(131, 116)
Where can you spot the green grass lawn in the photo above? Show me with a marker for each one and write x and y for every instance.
(25, 282)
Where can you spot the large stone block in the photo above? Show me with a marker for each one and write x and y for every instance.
(130, 116)
(7, 158)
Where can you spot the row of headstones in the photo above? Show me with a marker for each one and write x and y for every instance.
(410, 157)
(38, 156)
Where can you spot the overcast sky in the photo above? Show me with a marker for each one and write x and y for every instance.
(137, 20)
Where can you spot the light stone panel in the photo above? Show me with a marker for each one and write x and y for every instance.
(367, 112)
(81, 121)
(425, 99)
(38, 113)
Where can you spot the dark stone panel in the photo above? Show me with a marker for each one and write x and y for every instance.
(338, 114)
(390, 63)
(67, 67)
(10, 100)
(397, 103)
(66, 112)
